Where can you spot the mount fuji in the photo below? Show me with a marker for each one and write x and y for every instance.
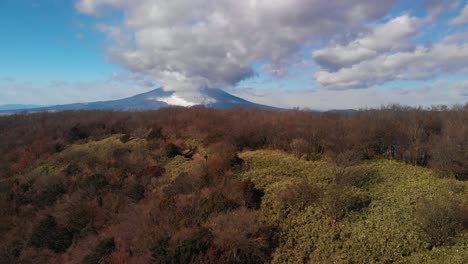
(155, 99)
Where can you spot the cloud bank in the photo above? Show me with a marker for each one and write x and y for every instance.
(391, 36)
(421, 64)
(202, 43)
(389, 53)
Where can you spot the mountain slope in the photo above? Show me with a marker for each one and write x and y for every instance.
(155, 99)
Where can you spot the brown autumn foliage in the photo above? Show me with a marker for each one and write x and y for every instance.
(435, 137)
(440, 220)
(298, 195)
(239, 237)
(123, 207)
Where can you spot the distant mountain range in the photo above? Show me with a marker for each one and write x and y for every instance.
(18, 106)
(152, 100)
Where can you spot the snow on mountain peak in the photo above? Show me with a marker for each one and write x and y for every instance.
(174, 99)
(185, 98)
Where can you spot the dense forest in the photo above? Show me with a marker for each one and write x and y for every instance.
(199, 185)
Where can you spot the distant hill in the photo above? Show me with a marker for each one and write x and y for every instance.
(18, 107)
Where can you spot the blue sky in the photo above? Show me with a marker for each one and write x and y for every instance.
(48, 40)
(307, 53)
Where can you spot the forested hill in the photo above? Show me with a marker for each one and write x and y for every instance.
(198, 185)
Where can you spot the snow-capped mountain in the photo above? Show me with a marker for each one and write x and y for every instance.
(155, 99)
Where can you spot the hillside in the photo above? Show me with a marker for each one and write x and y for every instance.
(386, 230)
(105, 205)
(198, 186)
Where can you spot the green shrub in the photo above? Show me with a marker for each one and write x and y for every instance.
(72, 169)
(252, 195)
(439, 220)
(103, 249)
(184, 183)
(77, 132)
(96, 182)
(155, 133)
(125, 138)
(153, 171)
(215, 203)
(240, 237)
(357, 202)
(78, 219)
(58, 147)
(455, 187)
(299, 147)
(10, 253)
(47, 234)
(338, 201)
(172, 150)
(196, 244)
(236, 163)
(50, 195)
(358, 177)
(136, 192)
(298, 196)
(21, 200)
(160, 252)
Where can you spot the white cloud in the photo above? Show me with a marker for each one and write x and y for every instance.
(91, 6)
(187, 44)
(462, 18)
(456, 38)
(421, 64)
(435, 8)
(388, 54)
(391, 36)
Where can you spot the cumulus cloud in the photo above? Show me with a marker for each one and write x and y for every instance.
(462, 18)
(420, 64)
(391, 36)
(388, 53)
(187, 44)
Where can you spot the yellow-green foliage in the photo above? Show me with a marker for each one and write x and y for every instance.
(384, 232)
(88, 154)
(270, 169)
(100, 151)
(104, 148)
(179, 164)
(196, 145)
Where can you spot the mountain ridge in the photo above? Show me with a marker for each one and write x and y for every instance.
(153, 100)
(6, 107)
